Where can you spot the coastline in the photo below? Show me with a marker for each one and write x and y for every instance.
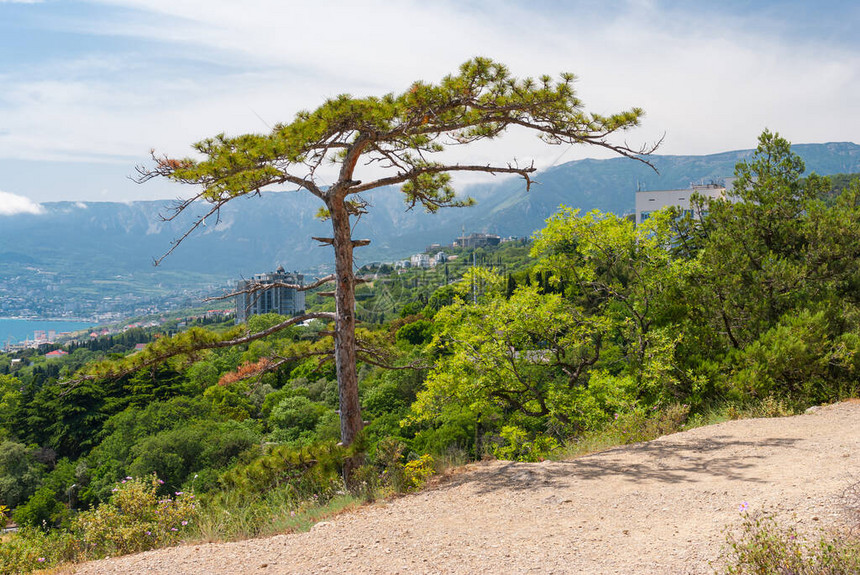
(18, 331)
(36, 318)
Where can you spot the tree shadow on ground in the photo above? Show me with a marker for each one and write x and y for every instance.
(666, 461)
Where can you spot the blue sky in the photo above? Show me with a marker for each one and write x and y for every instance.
(88, 88)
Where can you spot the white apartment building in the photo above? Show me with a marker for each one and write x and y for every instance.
(651, 201)
(420, 261)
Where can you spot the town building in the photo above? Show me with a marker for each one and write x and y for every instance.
(420, 261)
(478, 240)
(648, 202)
(268, 293)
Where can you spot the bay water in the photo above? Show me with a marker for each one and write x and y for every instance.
(17, 330)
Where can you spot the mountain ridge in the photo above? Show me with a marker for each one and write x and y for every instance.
(86, 241)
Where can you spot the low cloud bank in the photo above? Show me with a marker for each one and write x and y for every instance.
(11, 205)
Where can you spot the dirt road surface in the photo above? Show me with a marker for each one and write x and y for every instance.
(659, 507)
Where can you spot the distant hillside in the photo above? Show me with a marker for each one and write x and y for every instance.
(610, 185)
(103, 240)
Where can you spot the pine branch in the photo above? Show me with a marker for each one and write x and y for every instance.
(176, 347)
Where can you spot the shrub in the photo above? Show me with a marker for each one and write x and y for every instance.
(383, 398)
(802, 357)
(415, 333)
(765, 547)
(31, 549)
(177, 454)
(388, 459)
(519, 446)
(386, 472)
(456, 431)
(231, 400)
(296, 414)
(135, 519)
(417, 472)
(20, 473)
(41, 510)
(643, 425)
(310, 469)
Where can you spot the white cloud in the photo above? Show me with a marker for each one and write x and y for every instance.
(711, 80)
(11, 205)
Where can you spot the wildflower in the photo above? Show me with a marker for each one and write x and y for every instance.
(148, 532)
(743, 506)
(292, 513)
(161, 482)
(115, 489)
(179, 492)
(185, 523)
(41, 559)
(174, 529)
(128, 478)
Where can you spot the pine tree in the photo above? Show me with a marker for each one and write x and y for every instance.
(403, 133)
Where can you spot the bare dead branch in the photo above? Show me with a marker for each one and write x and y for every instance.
(201, 221)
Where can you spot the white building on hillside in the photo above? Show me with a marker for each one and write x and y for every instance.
(420, 261)
(651, 201)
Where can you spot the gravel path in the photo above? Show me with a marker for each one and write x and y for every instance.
(656, 507)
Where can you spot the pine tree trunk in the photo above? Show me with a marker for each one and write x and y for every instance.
(344, 340)
(351, 423)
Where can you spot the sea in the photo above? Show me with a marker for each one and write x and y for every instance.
(17, 330)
